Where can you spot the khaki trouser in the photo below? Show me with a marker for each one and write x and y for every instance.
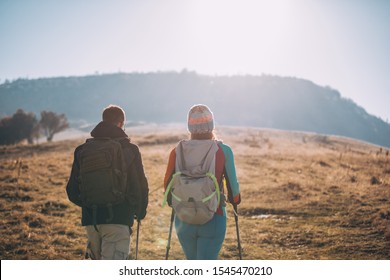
(110, 242)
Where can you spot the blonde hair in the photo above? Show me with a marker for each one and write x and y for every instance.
(203, 136)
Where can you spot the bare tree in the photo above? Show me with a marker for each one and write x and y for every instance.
(52, 123)
(6, 137)
(17, 128)
(35, 134)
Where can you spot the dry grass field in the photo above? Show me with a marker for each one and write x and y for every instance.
(304, 196)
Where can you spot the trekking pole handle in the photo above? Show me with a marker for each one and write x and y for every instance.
(235, 210)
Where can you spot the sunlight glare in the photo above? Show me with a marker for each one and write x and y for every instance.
(228, 33)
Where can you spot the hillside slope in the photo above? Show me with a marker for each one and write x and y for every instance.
(304, 196)
(260, 101)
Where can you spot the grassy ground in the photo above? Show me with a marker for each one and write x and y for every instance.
(304, 196)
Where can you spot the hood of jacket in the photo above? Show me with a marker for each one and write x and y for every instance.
(106, 129)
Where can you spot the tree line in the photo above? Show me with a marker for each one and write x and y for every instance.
(286, 103)
(25, 126)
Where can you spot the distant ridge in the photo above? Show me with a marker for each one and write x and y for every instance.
(262, 101)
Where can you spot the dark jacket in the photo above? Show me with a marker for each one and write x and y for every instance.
(136, 203)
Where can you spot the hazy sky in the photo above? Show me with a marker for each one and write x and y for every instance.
(344, 44)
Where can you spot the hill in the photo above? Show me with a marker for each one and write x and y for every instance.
(304, 196)
(163, 97)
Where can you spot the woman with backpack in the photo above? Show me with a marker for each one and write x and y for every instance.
(200, 211)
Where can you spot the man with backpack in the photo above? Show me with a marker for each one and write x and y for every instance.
(108, 181)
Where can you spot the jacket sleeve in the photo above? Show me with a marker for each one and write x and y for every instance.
(170, 168)
(138, 184)
(232, 184)
(72, 188)
(169, 172)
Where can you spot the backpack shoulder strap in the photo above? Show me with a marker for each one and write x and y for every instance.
(210, 158)
(121, 139)
(180, 162)
(169, 188)
(96, 139)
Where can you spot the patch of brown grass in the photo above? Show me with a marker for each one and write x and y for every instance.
(304, 196)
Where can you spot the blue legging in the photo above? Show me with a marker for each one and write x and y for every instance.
(202, 242)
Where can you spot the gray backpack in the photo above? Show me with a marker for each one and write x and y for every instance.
(194, 189)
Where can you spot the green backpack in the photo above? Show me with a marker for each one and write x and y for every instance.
(193, 188)
(103, 173)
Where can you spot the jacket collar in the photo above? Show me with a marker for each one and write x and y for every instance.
(106, 129)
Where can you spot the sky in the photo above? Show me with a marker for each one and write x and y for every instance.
(343, 44)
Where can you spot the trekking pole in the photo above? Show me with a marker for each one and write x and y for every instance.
(170, 234)
(136, 244)
(237, 231)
